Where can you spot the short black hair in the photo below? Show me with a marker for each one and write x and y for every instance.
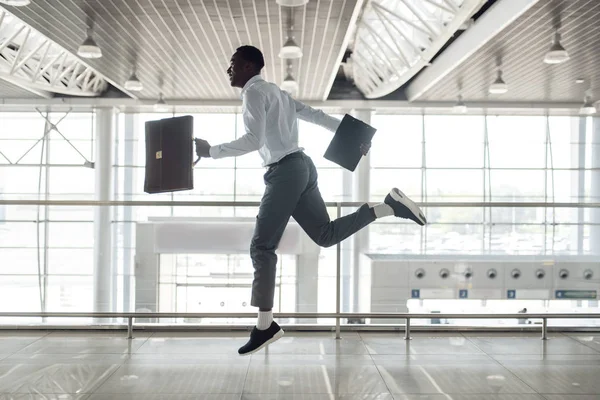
(252, 55)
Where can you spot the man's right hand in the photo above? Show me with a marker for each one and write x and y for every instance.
(202, 148)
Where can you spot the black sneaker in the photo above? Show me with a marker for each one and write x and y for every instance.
(260, 339)
(404, 207)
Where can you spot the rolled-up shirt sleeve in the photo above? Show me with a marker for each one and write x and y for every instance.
(317, 117)
(255, 116)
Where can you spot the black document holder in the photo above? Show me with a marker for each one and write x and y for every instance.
(344, 148)
(169, 155)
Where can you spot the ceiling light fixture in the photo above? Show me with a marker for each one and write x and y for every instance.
(133, 83)
(161, 105)
(291, 3)
(290, 50)
(89, 48)
(587, 108)
(460, 107)
(289, 83)
(16, 3)
(557, 53)
(499, 86)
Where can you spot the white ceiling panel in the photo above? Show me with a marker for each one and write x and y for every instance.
(183, 47)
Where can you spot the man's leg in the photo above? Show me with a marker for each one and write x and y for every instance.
(284, 186)
(285, 183)
(311, 214)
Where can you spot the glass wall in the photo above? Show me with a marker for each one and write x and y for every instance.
(199, 276)
(47, 252)
(448, 158)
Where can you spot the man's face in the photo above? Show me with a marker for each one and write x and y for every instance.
(237, 71)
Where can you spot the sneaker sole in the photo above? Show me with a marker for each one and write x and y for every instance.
(402, 198)
(275, 338)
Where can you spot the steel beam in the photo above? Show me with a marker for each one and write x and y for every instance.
(492, 22)
(24, 62)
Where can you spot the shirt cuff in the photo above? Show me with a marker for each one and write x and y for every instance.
(213, 151)
(334, 124)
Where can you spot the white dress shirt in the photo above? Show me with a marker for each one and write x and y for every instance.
(271, 122)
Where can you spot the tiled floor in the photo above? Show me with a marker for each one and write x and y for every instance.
(301, 366)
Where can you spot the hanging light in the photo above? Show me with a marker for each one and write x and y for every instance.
(290, 50)
(16, 3)
(460, 107)
(161, 105)
(133, 83)
(557, 53)
(289, 84)
(291, 3)
(499, 86)
(587, 108)
(89, 48)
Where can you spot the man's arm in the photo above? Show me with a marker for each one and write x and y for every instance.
(326, 121)
(317, 117)
(255, 122)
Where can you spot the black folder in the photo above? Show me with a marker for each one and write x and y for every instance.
(169, 155)
(344, 149)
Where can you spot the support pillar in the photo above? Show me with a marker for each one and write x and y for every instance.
(595, 187)
(361, 191)
(103, 269)
(578, 135)
(346, 247)
(131, 121)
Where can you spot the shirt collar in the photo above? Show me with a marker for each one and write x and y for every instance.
(251, 81)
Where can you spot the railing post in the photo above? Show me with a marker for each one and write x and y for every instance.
(338, 279)
(407, 330)
(544, 328)
(129, 327)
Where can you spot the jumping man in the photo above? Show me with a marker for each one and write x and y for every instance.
(271, 123)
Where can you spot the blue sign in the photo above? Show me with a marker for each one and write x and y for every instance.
(511, 294)
(463, 293)
(415, 293)
(576, 294)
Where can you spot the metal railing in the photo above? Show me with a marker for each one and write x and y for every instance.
(337, 315)
(337, 204)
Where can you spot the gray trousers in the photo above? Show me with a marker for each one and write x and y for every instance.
(292, 191)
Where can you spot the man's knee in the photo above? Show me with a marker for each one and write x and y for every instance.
(258, 249)
(325, 239)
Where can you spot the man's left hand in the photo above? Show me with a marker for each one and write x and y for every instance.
(202, 148)
(364, 148)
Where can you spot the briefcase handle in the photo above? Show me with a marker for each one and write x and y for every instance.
(197, 160)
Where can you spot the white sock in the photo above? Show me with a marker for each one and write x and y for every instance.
(264, 320)
(383, 210)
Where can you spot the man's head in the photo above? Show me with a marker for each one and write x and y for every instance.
(245, 63)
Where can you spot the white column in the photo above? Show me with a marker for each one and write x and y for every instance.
(131, 123)
(595, 187)
(347, 253)
(578, 135)
(361, 191)
(105, 125)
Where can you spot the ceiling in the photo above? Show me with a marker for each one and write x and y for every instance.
(10, 91)
(521, 48)
(183, 47)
